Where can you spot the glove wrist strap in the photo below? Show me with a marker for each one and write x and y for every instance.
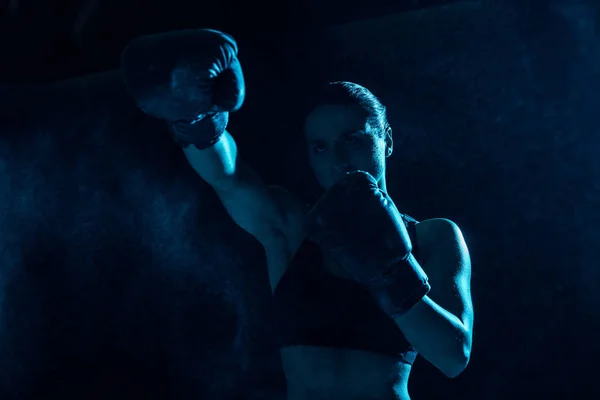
(203, 132)
(393, 295)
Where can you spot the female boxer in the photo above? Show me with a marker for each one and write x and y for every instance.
(361, 289)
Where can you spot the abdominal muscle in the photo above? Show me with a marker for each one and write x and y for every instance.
(319, 373)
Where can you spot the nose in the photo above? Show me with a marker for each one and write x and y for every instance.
(341, 167)
(341, 164)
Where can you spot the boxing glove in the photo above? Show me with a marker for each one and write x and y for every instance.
(358, 226)
(192, 79)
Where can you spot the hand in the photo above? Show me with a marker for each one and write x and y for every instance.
(359, 227)
(191, 78)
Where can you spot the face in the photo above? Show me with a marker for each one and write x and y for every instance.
(340, 140)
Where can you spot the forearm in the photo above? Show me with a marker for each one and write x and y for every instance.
(217, 165)
(437, 335)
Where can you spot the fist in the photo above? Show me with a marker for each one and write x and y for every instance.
(357, 224)
(359, 227)
(184, 76)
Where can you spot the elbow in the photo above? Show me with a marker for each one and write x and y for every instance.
(456, 368)
(458, 363)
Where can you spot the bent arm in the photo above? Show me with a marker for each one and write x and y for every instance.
(440, 325)
(247, 199)
(438, 335)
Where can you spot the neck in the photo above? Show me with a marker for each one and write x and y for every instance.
(382, 184)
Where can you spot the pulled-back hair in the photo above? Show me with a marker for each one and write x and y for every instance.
(349, 93)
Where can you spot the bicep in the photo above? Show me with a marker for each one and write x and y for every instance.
(448, 265)
(249, 203)
(259, 209)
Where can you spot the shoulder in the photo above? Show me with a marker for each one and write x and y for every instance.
(438, 226)
(282, 194)
(290, 204)
(441, 236)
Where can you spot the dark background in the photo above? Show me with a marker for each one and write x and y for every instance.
(121, 274)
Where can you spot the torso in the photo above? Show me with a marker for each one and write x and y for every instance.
(317, 373)
(332, 373)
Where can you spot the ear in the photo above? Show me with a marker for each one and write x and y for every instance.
(389, 142)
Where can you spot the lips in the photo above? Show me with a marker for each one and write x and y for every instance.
(344, 168)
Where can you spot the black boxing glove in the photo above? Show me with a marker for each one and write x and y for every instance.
(358, 226)
(191, 79)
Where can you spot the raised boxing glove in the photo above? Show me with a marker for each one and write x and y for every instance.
(191, 79)
(358, 226)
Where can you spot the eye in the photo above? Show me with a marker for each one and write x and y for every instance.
(351, 140)
(319, 148)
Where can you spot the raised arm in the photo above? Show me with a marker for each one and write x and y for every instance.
(261, 210)
(193, 80)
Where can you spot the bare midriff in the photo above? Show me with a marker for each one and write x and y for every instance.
(319, 373)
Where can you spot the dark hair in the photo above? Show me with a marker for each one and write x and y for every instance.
(349, 93)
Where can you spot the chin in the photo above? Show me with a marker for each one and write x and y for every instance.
(330, 182)
(325, 186)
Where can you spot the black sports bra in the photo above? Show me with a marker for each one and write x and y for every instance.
(314, 307)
